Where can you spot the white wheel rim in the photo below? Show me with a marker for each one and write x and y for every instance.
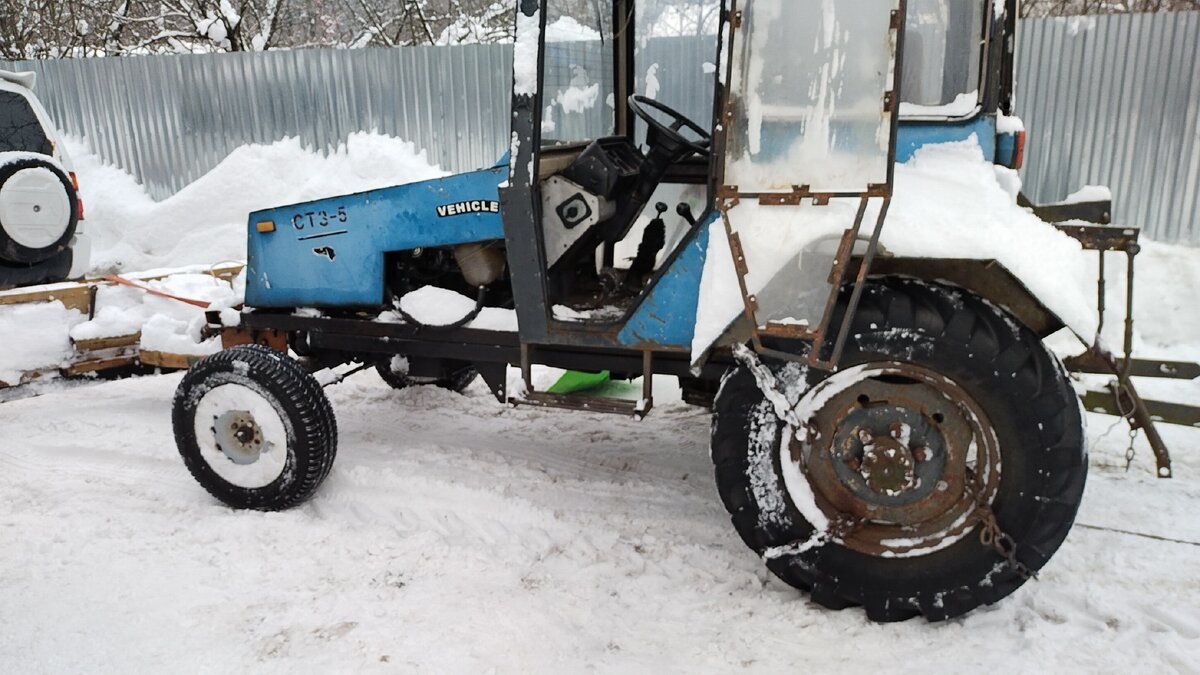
(258, 462)
(34, 208)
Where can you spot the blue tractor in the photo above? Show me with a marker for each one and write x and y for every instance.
(889, 432)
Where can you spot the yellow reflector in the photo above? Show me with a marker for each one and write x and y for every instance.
(266, 226)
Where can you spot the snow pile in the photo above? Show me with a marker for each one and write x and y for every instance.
(41, 336)
(949, 203)
(206, 221)
(568, 29)
(165, 324)
(1089, 193)
(433, 306)
(961, 106)
(35, 337)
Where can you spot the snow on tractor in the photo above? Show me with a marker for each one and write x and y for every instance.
(889, 428)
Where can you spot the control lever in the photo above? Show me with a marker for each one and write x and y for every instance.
(685, 212)
(653, 240)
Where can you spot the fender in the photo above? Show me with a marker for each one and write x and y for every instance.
(989, 279)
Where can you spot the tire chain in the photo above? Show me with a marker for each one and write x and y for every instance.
(843, 525)
(990, 534)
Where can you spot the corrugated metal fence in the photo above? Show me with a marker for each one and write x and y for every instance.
(169, 119)
(1109, 100)
(1115, 100)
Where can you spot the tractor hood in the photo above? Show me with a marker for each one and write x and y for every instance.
(330, 252)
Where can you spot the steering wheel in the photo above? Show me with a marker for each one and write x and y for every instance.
(669, 138)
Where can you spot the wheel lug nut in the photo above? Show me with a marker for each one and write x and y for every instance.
(865, 436)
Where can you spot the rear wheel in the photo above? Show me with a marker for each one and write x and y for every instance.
(949, 439)
(254, 428)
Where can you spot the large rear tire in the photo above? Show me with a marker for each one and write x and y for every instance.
(254, 428)
(946, 412)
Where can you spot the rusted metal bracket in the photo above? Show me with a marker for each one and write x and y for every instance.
(1171, 413)
(1088, 362)
(1102, 238)
(1124, 400)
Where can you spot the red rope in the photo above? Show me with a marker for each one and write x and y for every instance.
(152, 291)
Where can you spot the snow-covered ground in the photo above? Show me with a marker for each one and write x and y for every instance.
(459, 535)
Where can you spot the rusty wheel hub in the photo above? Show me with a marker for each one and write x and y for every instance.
(903, 452)
(887, 465)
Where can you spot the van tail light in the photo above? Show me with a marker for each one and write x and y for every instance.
(78, 199)
(1019, 151)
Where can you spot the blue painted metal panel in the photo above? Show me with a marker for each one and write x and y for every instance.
(1006, 150)
(330, 253)
(667, 318)
(913, 136)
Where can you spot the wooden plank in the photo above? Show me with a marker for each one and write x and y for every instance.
(72, 296)
(167, 360)
(97, 344)
(97, 365)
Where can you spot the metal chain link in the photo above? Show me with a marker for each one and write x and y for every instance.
(990, 535)
(1130, 453)
(1127, 415)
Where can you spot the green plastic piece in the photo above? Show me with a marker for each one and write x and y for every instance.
(573, 382)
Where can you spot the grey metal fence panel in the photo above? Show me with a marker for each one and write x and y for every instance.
(1111, 100)
(1115, 100)
(169, 119)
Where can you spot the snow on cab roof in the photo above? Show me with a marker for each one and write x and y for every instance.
(25, 79)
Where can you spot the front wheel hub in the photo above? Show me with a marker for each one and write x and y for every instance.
(239, 437)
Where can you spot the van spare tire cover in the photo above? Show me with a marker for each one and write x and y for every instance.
(38, 212)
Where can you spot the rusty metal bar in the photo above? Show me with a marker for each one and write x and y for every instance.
(836, 276)
(1131, 406)
(647, 382)
(1131, 252)
(1101, 289)
(855, 296)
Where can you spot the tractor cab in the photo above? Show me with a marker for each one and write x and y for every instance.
(619, 166)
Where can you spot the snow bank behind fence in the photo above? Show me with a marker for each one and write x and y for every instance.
(205, 222)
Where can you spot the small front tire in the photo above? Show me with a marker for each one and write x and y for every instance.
(254, 428)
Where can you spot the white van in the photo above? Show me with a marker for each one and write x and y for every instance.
(41, 238)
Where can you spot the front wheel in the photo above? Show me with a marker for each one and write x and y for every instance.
(254, 428)
(937, 471)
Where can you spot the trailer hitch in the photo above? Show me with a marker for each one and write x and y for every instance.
(1122, 398)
